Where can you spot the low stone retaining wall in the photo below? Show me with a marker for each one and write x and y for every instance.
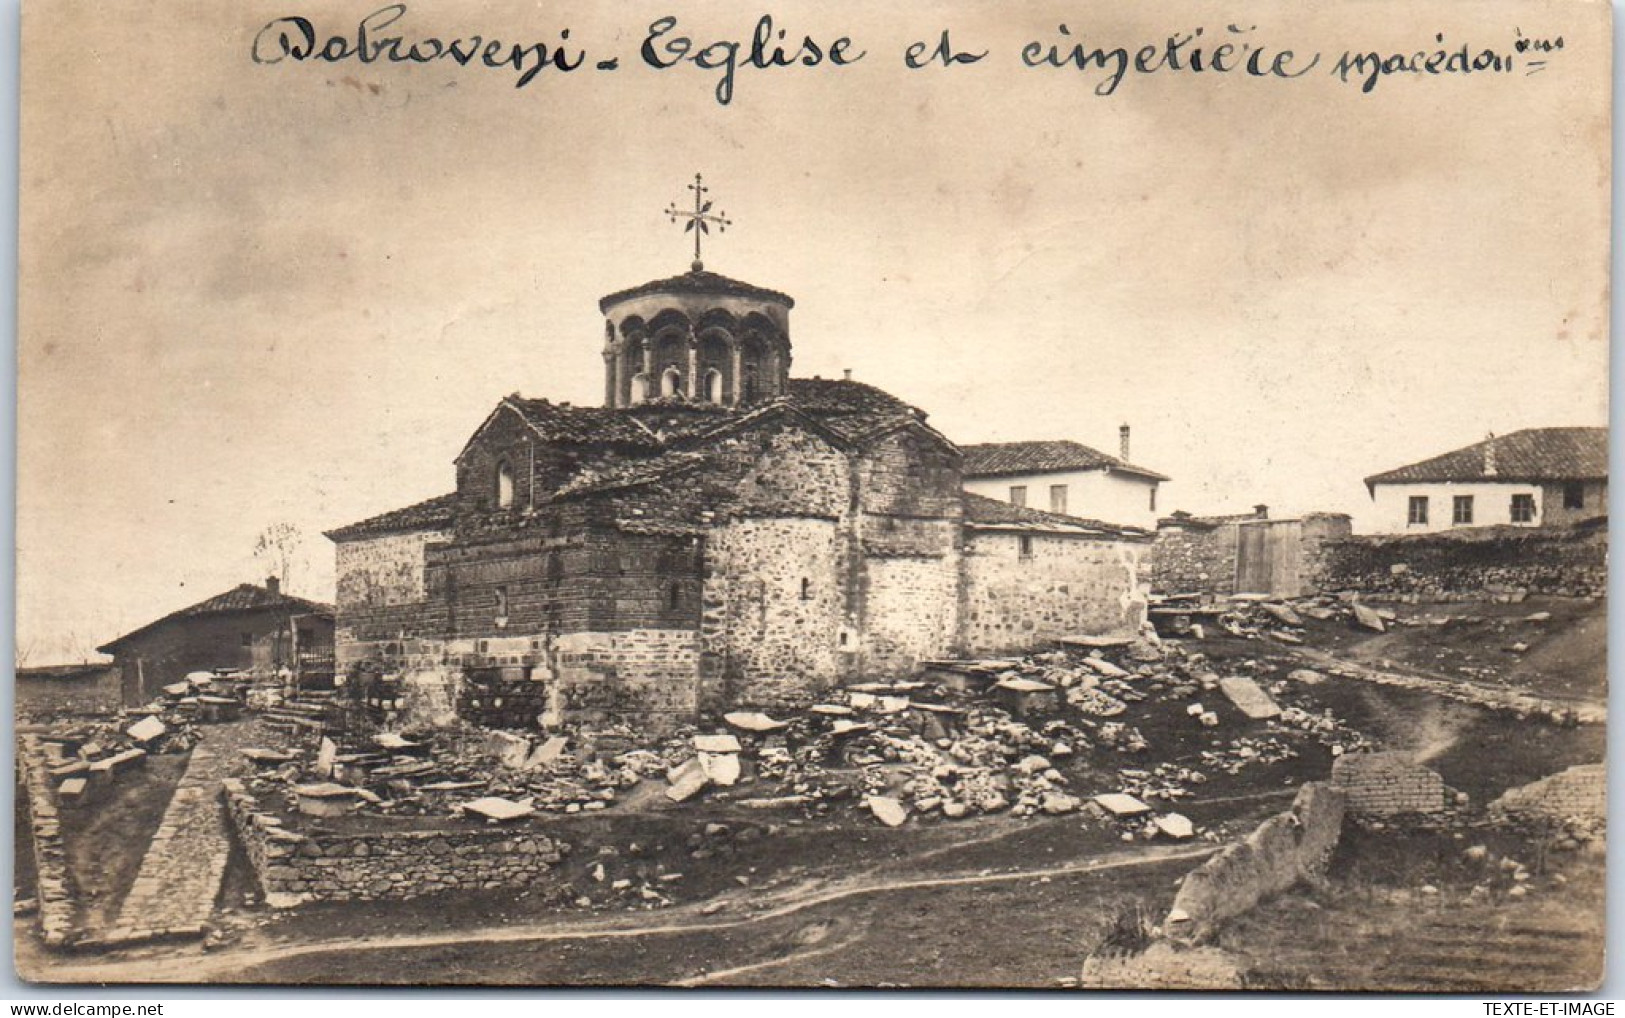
(56, 905)
(293, 866)
(1471, 564)
(1385, 784)
(1580, 791)
(1288, 847)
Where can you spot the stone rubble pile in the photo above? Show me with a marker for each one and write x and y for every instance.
(1032, 736)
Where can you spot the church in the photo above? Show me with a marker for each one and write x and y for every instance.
(719, 534)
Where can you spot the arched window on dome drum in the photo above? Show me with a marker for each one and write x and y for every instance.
(713, 386)
(640, 387)
(749, 387)
(504, 485)
(671, 381)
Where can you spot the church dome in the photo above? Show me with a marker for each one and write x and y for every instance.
(699, 336)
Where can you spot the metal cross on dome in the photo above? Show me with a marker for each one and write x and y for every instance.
(700, 220)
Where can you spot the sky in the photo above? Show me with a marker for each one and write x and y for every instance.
(253, 294)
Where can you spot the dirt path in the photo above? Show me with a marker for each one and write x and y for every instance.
(196, 967)
(1586, 711)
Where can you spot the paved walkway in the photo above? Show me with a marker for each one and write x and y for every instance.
(175, 890)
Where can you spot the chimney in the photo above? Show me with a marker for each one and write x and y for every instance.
(1122, 443)
(848, 373)
(273, 584)
(1489, 455)
(1261, 511)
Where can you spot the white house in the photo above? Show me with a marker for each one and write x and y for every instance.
(1531, 478)
(1065, 477)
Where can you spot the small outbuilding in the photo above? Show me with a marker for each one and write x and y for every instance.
(247, 628)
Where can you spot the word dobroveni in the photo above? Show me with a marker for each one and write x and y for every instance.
(295, 38)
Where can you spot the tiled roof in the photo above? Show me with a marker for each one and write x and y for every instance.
(699, 281)
(999, 459)
(241, 598)
(983, 512)
(581, 425)
(843, 396)
(611, 476)
(426, 515)
(1534, 454)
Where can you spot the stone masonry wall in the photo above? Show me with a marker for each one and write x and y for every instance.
(1286, 848)
(1382, 784)
(383, 570)
(294, 866)
(56, 895)
(1195, 559)
(1066, 586)
(646, 675)
(1580, 791)
(910, 611)
(773, 608)
(1471, 563)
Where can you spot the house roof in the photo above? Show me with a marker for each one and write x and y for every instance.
(701, 282)
(429, 514)
(1002, 459)
(1531, 455)
(983, 513)
(245, 597)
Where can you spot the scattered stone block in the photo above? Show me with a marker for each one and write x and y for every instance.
(547, 753)
(72, 789)
(146, 730)
(510, 750)
(1282, 614)
(326, 755)
(716, 744)
(720, 769)
(686, 781)
(1249, 698)
(751, 721)
(1119, 804)
(325, 799)
(1176, 825)
(498, 809)
(887, 810)
(1366, 617)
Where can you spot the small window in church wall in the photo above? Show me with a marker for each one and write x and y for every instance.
(806, 589)
(674, 596)
(713, 386)
(504, 485)
(1026, 545)
(670, 380)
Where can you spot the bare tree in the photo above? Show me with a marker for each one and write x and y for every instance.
(278, 547)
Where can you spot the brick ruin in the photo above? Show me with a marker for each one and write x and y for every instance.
(719, 533)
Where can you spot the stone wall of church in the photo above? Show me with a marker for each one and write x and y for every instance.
(910, 610)
(779, 470)
(1020, 591)
(910, 475)
(384, 570)
(773, 609)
